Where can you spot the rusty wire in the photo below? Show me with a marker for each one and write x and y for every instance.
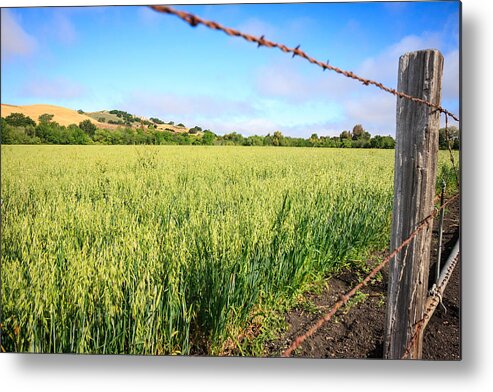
(432, 303)
(344, 298)
(194, 20)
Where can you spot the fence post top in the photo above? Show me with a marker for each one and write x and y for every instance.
(420, 51)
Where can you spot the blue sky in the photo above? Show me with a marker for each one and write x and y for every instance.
(134, 59)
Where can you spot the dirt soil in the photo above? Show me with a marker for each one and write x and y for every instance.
(357, 330)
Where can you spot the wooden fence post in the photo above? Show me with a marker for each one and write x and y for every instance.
(420, 75)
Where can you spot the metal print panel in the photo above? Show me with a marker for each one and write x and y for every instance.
(266, 180)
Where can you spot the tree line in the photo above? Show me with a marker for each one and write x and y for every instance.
(20, 129)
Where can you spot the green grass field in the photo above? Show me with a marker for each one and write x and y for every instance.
(173, 249)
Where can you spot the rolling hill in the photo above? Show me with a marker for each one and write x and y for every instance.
(105, 116)
(65, 116)
(61, 115)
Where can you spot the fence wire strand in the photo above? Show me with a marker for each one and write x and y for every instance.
(345, 297)
(194, 21)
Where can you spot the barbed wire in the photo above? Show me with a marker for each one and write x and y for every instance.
(431, 304)
(194, 20)
(344, 298)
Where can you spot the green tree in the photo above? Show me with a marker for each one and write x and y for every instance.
(346, 143)
(278, 138)
(208, 138)
(358, 132)
(77, 135)
(46, 118)
(345, 135)
(388, 142)
(16, 135)
(382, 142)
(88, 127)
(268, 140)
(360, 143)
(326, 141)
(453, 135)
(314, 140)
(49, 132)
(183, 138)
(233, 138)
(156, 120)
(254, 141)
(19, 120)
(102, 136)
(194, 130)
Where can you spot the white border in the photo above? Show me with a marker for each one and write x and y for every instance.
(88, 373)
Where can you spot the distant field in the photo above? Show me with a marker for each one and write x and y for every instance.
(172, 249)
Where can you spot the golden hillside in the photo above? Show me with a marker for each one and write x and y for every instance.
(64, 116)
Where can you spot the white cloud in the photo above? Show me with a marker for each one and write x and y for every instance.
(15, 40)
(174, 106)
(59, 88)
(223, 115)
(282, 80)
(293, 82)
(300, 99)
(450, 82)
(308, 100)
(376, 113)
(289, 81)
(384, 66)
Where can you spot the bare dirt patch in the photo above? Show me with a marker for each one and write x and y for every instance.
(357, 330)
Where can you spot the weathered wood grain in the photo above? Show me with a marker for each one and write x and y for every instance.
(420, 75)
